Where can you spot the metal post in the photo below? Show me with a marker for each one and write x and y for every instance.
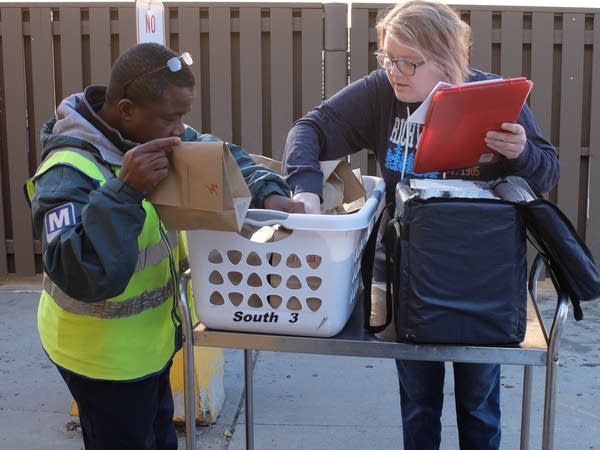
(560, 318)
(249, 399)
(189, 397)
(526, 406)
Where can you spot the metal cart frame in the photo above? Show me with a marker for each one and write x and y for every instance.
(540, 348)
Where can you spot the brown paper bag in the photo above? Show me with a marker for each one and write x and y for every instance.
(343, 191)
(205, 189)
(272, 164)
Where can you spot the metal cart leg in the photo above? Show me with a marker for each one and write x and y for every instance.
(189, 398)
(526, 407)
(560, 318)
(249, 399)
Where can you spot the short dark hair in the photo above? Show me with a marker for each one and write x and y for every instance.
(141, 59)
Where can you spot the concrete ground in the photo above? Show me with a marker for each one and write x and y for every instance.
(301, 401)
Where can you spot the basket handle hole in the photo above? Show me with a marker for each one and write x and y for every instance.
(274, 280)
(216, 298)
(313, 261)
(234, 256)
(294, 304)
(293, 261)
(314, 303)
(253, 259)
(274, 259)
(235, 298)
(254, 301)
(215, 278)
(294, 282)
(314, 283)
(215, 257)
(235, 277)
(275, 301)
(254, 280)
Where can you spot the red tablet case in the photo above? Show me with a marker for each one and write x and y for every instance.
(458, 118)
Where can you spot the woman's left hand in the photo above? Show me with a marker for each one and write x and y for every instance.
(510, 142)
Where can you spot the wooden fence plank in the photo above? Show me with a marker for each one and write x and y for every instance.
(336, 48)
(189, 41)
(168, 36)
(359, 67)
(511, 50)
(359, 44)
(281, 61)
(13, 66)
(311, 64)
(71, 68)
(219, 25)
(592, 235)
(481, 32)
(570, 115)
(541, 53)
(250, 70)
(4, 169)
(126, 28)
(100, 45)
(42, 76)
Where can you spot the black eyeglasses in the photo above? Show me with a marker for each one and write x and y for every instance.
(407, 68)
(174, 64)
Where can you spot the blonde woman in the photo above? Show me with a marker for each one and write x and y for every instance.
(421, 43)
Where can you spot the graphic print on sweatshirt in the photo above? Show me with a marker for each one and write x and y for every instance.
(402, 144)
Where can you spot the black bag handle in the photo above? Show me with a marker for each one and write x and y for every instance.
(366, 269)
(567, 257)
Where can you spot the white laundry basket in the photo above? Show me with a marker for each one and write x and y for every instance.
(304, 284)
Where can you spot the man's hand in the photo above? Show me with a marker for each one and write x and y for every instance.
(281, 203)
(147, 164)
(510, 142)
(312, 202)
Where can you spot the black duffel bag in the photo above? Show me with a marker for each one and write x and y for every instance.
(458, 271)
(457, 268)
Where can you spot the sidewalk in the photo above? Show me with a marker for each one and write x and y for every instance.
(310, 402)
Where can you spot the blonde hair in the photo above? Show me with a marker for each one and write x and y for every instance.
(434, 29)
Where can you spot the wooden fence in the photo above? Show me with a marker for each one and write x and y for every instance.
(259, 66)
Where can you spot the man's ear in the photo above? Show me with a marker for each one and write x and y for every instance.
(126, 109)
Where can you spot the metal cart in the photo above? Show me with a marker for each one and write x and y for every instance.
(540, 348)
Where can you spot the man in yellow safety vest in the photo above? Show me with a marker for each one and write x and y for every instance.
(108, 315)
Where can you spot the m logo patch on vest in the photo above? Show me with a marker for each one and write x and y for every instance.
(57, 219)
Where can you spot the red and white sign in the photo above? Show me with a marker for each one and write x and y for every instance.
(150, 21)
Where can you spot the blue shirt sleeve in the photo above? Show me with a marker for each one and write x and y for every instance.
(351, 120)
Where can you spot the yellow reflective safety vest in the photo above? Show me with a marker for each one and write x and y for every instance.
(127, 337)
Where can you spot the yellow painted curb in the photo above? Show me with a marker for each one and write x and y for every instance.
(209, 389)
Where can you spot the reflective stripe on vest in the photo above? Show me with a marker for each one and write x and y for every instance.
(125, 337)
(108, 309)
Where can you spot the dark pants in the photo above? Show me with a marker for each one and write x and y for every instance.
(118, 415)
(477, 397)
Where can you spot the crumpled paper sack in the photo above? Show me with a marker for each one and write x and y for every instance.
(343, 192)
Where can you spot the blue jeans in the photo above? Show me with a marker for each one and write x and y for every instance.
(477, 396)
